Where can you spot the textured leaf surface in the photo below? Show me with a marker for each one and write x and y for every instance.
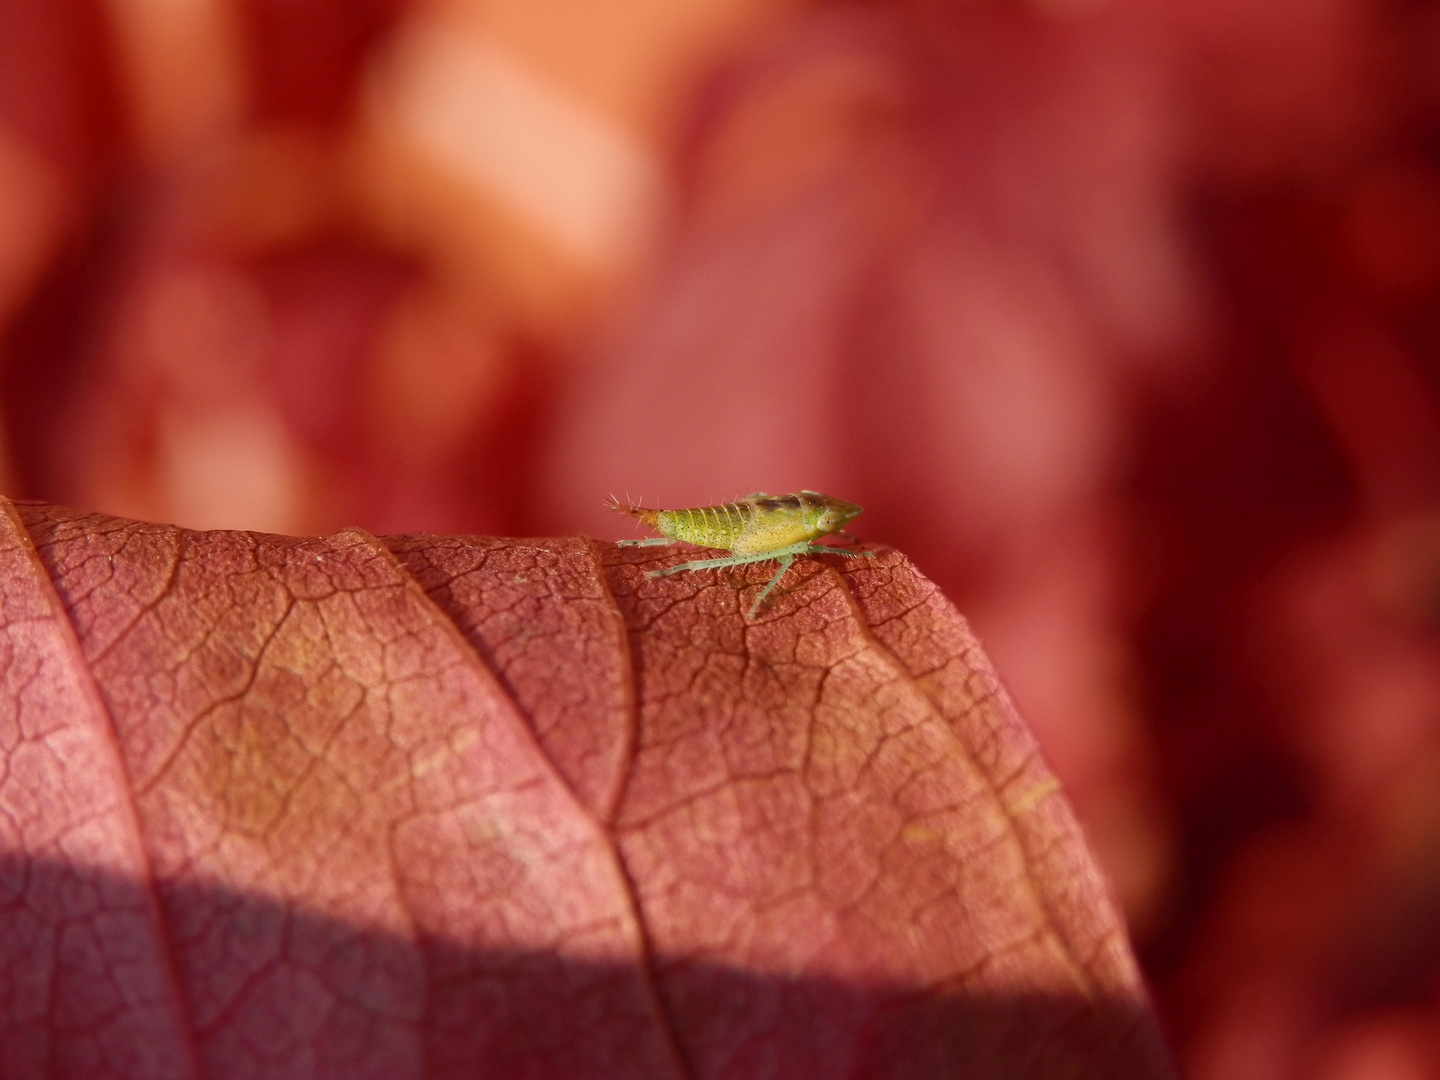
(462, 806)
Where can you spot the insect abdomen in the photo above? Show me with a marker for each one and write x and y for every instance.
(706, 526)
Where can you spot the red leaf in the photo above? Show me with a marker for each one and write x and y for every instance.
(460, 806)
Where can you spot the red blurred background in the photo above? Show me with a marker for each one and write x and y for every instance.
(1121, 317)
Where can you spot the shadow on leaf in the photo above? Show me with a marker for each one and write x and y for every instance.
(227, 985)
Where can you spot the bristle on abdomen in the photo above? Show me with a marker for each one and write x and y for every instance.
(639, 513)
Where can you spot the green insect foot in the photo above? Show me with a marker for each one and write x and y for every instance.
(825, 549)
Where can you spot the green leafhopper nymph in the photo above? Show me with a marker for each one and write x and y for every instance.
(756, 528)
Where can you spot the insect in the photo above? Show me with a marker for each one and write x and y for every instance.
(756, 528)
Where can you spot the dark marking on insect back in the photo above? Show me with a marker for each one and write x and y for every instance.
(779, 502)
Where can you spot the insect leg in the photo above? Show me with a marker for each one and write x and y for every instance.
(785, 561)
(710, 564)
(648, 542)
(735, 560)
(825, 549)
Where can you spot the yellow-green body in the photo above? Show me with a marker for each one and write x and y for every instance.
(757, 523)
(753, 529)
